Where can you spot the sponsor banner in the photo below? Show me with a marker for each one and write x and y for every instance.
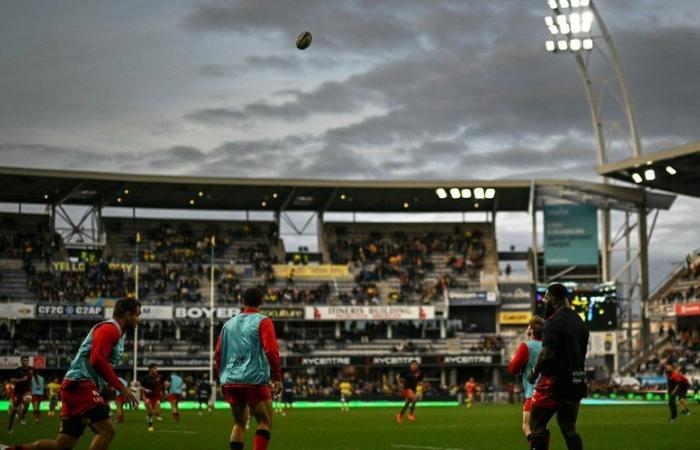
(320, 271)
(517, 307)
(393, 360)
(175, 362)
(323, 361)
(16, 311)
(198, 312)
(469, 298)
(283, 313)
(602, 343)
(13, 362)
(375, 313)
(516, 293)
(67, 266)
(149, 312)
(469, 360)
(650, 380)
(69, 312)
(688, 309)
(514, 317)
(476, 359)
(570, 235)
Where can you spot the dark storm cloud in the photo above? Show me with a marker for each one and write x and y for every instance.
(173, 159)
(329, 98)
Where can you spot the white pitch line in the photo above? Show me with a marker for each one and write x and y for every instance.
(422, 447)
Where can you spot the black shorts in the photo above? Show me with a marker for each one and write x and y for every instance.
(75, 426)
(287, 397)
(682, 393)
(203, 399)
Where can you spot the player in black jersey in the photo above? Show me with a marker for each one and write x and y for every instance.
(560, 372)
(408, 381)
(22, 381)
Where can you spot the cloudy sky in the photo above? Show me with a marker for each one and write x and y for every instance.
(392, 89)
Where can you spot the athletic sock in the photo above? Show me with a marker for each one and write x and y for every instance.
(262, 439)
(539, 442)
(236, 445)
(574, 442)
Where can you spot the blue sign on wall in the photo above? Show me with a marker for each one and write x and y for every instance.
(570, 235)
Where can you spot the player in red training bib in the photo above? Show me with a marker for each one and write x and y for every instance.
(152, 389)
(91, 370)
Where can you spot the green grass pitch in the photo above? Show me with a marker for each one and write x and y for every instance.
(483, 427)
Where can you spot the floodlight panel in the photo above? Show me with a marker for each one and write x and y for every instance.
(637, 178)
(490, 193)
(562, 45)
(550, 46)
(671, 170)
(441, 193)
(588, 44)
(549, 20)
(466, 193)
(454, 193)
(479, 193)
(650, 174)
(575, 45)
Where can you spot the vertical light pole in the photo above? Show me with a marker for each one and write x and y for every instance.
(211, 317)
(136, 296)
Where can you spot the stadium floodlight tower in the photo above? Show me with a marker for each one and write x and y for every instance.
(572, 26)
(577, 28)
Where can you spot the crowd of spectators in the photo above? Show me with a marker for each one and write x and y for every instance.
(18, 242)
(378, 257)
(683, 353)
(688, 286)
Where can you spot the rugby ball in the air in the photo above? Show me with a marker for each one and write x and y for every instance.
(304, 40)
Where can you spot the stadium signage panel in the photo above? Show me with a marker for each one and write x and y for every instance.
(283, 313)
(514, 317)
(602, 343)
(372, 313)
(570, 235)
(72, 312)
(470, 298)
(688, 309)
(516, 296)
(149, 312)
(66, 266)
(16, 311)
(467, 360)
(176, 362)
(320, 271)
(13, 362)
(333, 361)
(394, 360)
(196, 312)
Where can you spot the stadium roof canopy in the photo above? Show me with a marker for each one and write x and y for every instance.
(674, 170)
(20, 185)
